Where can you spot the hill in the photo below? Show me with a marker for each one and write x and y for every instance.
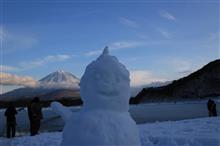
(201, 84)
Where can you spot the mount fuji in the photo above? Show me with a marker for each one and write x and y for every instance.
(55, 86)
(60, 80)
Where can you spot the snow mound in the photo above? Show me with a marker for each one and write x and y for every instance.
(104, 119)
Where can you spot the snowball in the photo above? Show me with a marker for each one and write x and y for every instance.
(61, 110)
(101, 128)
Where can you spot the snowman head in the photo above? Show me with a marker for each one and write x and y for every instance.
(105, 84)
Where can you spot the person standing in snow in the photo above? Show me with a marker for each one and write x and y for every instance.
(35, 116)
(30, 116)
(209, 105)
(11, 120)
(211, 108)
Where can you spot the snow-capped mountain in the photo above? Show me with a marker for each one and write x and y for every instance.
(64, 83)
(59, 79)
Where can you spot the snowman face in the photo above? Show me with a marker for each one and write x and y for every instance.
(107, 87)
(108, 83)
(105, 81)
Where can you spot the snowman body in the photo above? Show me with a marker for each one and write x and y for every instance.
(104, 119)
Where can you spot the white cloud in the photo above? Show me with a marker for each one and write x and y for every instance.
(125, 44)
(12, 41)
(94, 52)
(35, 63)
(213, 36)
(164, 33)
(183, 67)
(45, 60)
(8, 68)
(144, 77)
(128, 22)
(10, 79)
(118, 45)
(167, 15)
(1, 33)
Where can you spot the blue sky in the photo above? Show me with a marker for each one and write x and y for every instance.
(157, 41)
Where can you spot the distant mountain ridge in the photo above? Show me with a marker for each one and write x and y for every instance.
(64, 83)
(201, 84)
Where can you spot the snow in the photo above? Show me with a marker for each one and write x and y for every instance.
(201, 131)
(61, 110)
(104, 118)
(44, 139)
(59, 80)
(105, 84)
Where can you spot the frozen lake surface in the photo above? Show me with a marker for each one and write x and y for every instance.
(146, 113)
(143, 113)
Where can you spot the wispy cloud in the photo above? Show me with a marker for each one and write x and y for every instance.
(8, 68)
(118, 45)
(45, 60)
(213, 36)
(94, 52)
(128, 22)
(144, 77)
(24, 65)
(182, 66)
(10, 79)
(125, 44)
(12, 42)
(167, 15)
(164, 33)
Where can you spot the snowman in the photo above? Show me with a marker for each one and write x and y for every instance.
(104, 119)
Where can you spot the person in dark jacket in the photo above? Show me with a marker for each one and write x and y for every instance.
(30, 117)
(35, 116)
(211, 108)
(11, 120)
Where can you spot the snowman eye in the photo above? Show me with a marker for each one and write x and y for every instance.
(98, 76)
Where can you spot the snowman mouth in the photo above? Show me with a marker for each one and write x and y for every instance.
(109, 93)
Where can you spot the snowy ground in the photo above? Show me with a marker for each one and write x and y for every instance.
(194, 132)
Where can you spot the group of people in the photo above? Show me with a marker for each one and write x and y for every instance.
(34, 113)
